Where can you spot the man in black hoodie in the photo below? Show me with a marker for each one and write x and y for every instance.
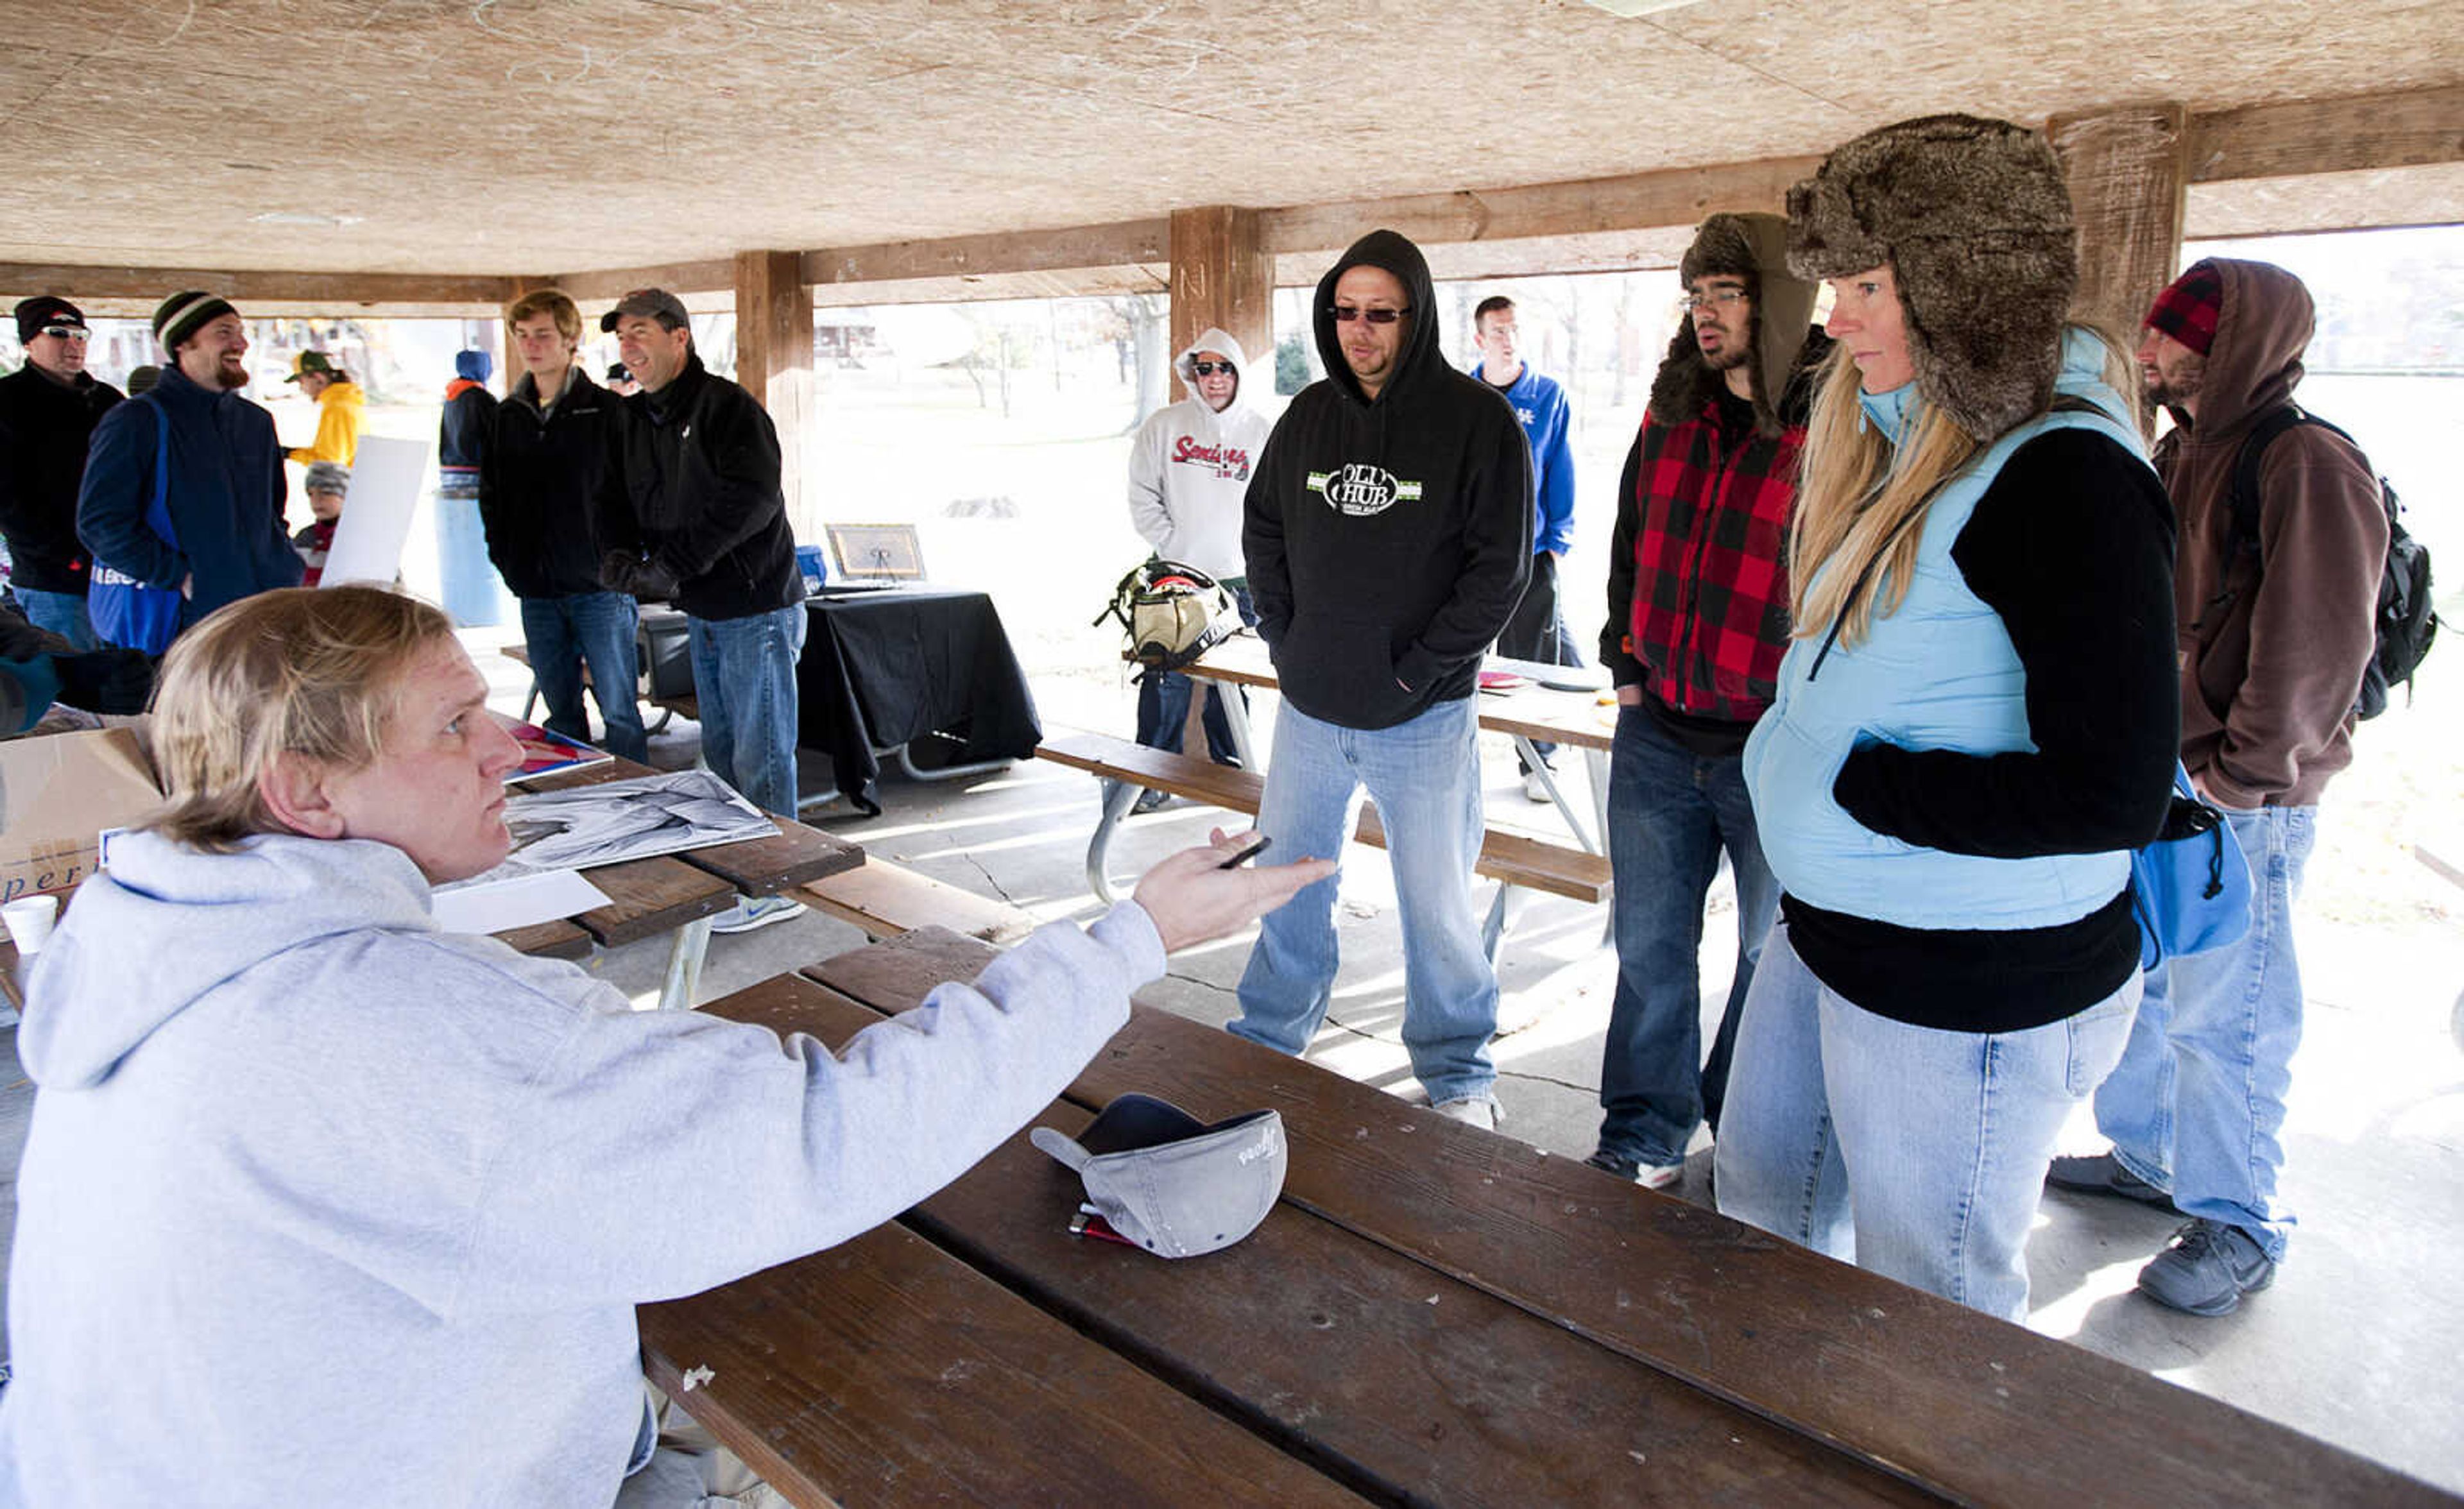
(48, 411)
(691, 504)
(1388, 538)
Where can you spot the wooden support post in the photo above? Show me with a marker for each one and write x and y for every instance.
(774, 361)
(2128, 185)
(1223, 278)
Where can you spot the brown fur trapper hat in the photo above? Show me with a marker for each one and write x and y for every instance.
(1973, 219)
(1754, 248)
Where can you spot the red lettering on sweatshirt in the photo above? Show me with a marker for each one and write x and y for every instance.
(1230, 462)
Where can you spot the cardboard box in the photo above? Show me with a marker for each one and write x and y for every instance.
(57, 795)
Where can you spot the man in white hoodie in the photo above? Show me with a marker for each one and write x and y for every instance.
(322, 1205)
(1189, 472)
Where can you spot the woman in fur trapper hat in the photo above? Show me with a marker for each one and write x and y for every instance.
(1974, 726)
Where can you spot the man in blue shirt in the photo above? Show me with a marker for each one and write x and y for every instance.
(1537, 631)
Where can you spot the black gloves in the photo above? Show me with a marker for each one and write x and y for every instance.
(650, 581)
(115, 681)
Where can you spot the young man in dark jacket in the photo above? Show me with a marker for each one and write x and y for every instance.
(226, 488)
(2271, 645)
(538, 481)
(691, 505)
(1697, 623)
(1388, 538)
(48, 411)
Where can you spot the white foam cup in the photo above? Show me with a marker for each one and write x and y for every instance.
(30, 920)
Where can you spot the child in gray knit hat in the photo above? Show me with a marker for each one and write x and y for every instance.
(1974, 726)
(329, 483)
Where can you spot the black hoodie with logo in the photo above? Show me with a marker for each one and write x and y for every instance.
(1388, 540)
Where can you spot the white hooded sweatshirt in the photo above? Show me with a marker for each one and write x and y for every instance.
(1189, 467)
(321, 1205)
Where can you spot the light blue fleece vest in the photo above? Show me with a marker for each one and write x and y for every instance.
(1940, 673)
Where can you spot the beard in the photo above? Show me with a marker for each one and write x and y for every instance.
(1728, 359)
(2180, 391)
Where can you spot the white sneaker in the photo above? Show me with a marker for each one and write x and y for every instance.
(1477, 1110)
(756, 911)
(1534, 789)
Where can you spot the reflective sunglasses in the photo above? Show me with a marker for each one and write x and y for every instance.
(1345, 314)
(1210, 368)
(64, 332)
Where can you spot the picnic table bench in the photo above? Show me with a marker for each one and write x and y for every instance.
(1433, 1313)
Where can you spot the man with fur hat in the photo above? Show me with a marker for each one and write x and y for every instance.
(1388, 538)
(1697, 622)
(2273, 642)
(48, 411)
(1189, 467)
(226, 488)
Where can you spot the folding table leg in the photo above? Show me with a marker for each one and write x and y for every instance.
(1118, 795)
(684, 964)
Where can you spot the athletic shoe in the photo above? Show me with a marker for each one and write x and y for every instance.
(2103, 1173)
(1532, 788)
(756, 911)
(2208, 1269)
(1474, 1110)
(1650, 1175)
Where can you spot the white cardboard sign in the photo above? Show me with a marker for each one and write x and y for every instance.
(376, 517)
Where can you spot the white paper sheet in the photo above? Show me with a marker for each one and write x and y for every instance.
(376, 517)
(515, 900)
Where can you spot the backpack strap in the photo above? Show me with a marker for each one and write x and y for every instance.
(2243, 501)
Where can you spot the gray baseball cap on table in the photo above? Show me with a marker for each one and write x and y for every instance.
(1170, 1183)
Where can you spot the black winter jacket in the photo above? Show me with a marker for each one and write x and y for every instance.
(44, 426)
(539, 488)
(691, 484)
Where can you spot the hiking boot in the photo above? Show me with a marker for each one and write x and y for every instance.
(1472, 1110)
(2208, 1269)
(2103, 1173)
(1650, 1175)
(756, 911)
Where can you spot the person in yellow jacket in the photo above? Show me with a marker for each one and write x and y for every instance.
(342, 409)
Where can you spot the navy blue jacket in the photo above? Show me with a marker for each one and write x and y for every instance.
(227, 492)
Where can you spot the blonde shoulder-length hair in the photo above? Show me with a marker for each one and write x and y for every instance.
(1860, 500)
(303, 671)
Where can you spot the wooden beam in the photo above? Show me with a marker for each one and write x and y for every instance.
(609, 284)
(1127, 241)
(136, 290)
(2128, 192)
(774, 361)
(2357, 132)
(1221, 278)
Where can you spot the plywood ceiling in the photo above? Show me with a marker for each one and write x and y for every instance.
(552, 136)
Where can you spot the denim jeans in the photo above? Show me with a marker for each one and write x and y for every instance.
(63, 613)
(1670, 814)
(593, 628)
(1914, 1152)
(2195, 1105)
(744, 677)
(1163, 703)
(1424, 776)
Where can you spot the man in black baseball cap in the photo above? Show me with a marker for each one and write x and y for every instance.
(48, 411)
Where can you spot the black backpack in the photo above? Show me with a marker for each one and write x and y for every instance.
(2404, 624)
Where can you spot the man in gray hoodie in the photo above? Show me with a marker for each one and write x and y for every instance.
(322, 1205)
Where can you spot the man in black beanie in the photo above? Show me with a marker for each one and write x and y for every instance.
(223, 487)
(48, 411)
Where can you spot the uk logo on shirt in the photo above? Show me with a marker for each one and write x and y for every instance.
(1359, 488)
(1229, 462)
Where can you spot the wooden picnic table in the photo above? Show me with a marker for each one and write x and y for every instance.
(1432, 1315)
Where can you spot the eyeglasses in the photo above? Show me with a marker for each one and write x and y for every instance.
(1721, 297)
(65, 332)
(1210, 368)
(1345, 314)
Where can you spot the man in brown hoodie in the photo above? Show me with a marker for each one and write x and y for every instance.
(2273, 645)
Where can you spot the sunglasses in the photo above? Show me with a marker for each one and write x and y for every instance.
(64, 332)
(1345, 314)
(1210, 368)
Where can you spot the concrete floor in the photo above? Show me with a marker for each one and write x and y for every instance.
(2354, 1344)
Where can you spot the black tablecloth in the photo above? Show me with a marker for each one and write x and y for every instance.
(881, 668)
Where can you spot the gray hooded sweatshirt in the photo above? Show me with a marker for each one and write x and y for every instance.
(321, 1205)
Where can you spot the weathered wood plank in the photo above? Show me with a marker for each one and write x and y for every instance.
(649, 897)
(2128, 195)
(1221, 278)
(2354, 133)
(258, 293)
(553, 939)
(1115, 244)
(765, 867)
(1968, 1405)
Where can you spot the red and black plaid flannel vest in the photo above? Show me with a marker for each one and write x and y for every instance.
(1710, 592)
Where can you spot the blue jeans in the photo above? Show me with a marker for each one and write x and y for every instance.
(1424, 776)
(1163, 703)
(63, 613)
(744, 677)
(1914, 1152)
(2198, 1099)
(1670, 814)
(593, 628)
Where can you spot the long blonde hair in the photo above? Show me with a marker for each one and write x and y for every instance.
(1860, 500)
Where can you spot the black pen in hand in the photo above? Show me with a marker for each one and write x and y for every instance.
(1245, 855)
